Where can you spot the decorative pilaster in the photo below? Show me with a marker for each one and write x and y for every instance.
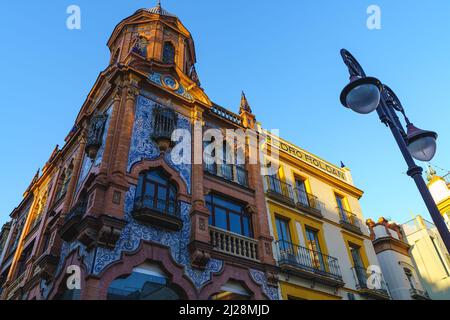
(126, 119)
(76, 172)
(200, 238)
(117, 97)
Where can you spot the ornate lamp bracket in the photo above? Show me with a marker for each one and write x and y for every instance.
(354, 68)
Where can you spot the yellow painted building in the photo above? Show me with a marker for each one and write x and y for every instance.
(322, 247)
(440, 190)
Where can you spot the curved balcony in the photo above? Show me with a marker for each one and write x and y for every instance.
(70, 229)
(161, 213)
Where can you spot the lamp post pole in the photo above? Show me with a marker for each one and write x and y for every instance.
(387, 107)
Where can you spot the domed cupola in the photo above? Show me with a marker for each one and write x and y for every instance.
(158, 9)
(155, 35)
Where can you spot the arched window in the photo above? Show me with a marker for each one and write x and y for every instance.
(146, 282)
(65, 179)
(156, 192)
(410, 277)
(169, 53)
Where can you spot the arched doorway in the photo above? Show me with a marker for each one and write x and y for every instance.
(232, 290)
(146, 282)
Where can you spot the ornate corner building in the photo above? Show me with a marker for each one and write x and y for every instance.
(113, 216)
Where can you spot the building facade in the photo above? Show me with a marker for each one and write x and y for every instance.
(112, 215)
(440, 190)
(321, 246)
(397, 265)
(431, 258)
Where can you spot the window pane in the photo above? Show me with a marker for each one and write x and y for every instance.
(235, 223)
(247, 227)
(283, 230)
(157, 177)
(149, 195)
(139, 189)
(162, 198)
(227, 204)
(340, 202)
(221, 218)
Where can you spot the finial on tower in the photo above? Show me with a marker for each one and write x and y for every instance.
(431, 173)
(245, 107)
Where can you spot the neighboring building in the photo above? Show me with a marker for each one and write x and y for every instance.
(395, 261)
(322, 246)
(113, 211)
(430, 257)
(440, 190)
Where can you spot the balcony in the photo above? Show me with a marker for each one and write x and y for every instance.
(371, 285)
(15, 286)
(233, 173)
(279, 190)
(349, 221)
(161, 213)
(309, 264)
(70, 229)
(417, 294)
(234, 244)
(46, 265)
(308, 203)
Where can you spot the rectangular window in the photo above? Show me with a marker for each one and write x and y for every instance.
(356, 256)
(301, 192)
(284, 235)
(229, 215)
(313, 244)
(359, 269)
(345, 216)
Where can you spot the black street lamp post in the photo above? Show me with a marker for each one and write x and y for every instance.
(365, 95)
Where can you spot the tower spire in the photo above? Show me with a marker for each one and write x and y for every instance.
(245, 107)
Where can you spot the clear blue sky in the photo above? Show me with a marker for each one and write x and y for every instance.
(284, 54)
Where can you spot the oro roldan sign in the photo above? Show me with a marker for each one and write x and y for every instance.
(305, 157)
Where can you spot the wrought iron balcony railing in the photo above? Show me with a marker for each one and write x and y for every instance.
(161, 213)
(279, 189)
(233, 244)
(229, 172)
(370, 282)
(349, 220)
(242, 176)
(308, 202)
(419, 294)
(170, 208)
(308, 260)
(78, 211)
